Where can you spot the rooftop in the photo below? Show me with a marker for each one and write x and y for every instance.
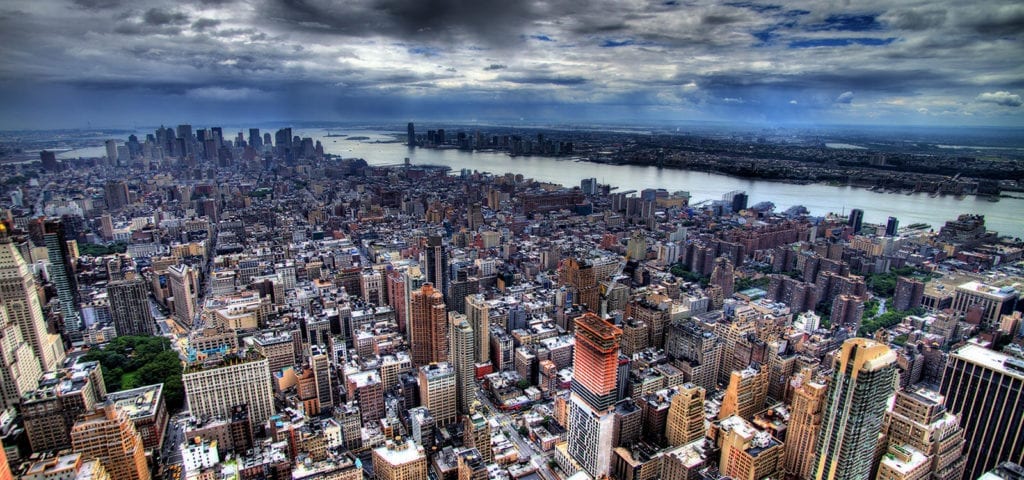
(139, 402)
(991, 359)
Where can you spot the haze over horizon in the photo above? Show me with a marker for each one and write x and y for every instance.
(75, 63)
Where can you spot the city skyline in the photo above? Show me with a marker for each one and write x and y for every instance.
(79, 63)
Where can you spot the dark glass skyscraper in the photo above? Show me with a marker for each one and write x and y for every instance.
(856, 219)
(412, 135)
(63, 277)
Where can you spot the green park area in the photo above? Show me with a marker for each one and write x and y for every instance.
(135, 361)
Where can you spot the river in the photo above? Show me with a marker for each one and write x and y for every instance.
(1005, 216)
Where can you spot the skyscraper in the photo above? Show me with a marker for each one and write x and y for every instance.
(428, 326)
(182, 282)
(213, 390)
(5, 468)
(594, 393)
(986, 388)
(438, 392)
(686, 416)
(62, 275)
(804, 424)
(864, 376)
(855, 219)
(461, 356)
(918, 419)
(19, 367)
(891, 226)
(435, 262)
(108, 434)
(129, 307)
(411, 133)
(723, 276)
(19, 297)
(746, 393)
(478, 314)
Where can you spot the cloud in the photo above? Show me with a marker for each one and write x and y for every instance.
(495, 66)
(159, 17)
(1005, 99)
(845, 97)
(223, 94)
(204, 23)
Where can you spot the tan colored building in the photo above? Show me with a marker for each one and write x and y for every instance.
(461, 356)
(213, 389)
(438, 391)
(918, 419)
(804, 426)
(478, 313)
(20, 298)
(108, 435)
(748, 453)
(686, 416)
(400, 460)
(70, 467)
(746, 393)
(903, 463)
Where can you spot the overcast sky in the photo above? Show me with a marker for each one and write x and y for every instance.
(73, 63)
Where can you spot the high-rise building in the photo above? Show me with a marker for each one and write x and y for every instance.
(438, 392)
(71, 466)
(320, 363)
(184, 289)
(108, 434)
(747, 452)
(805, 417)
(594, 393)
(863, 379)
(903, 462)
(722, 275)
(400, 461)
(847, 311)
(891, 226)
(435, 262)
(5, 468)
(478, 435)
(991, 302)
(19, 367)
(49, 161)
(62, 274)
(461, 356)
(856, 219)
(686, 416)
(746, 393)
(986, 389)
(428, 330)
(909, 294)
(129, 307)
(20, 298)
(111, 146)
(214, 389)
(411, 135)
(918, 419)
(478, 314)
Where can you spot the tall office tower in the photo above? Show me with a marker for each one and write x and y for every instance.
(62, 274)
(108, 434)
(49, 161)
(686, 416)
(891, 226)
(111, 146)
(746, 392)
(213, 389)
(19, 367)
(747, 452)
(320, 362)
(411, 134)
(805, 417)
(19, 296)
(594, 393)
(918, 419)
(986, 389)
(475, 216)
(429, 326)
(855, 219)
(864, 376)
(847, 311)
(115, 194)
(698, 353)
(991, 302)
(581, 277)
(435, 262)
(722, 275)
(255, 140)
(478, 313)
(478, 435)
(129, 307)
(909, 294)
(185, 131)
(636, 246)
(438, 392)
(183, 285)
(283, 143)
(404, 460)
(461, 356)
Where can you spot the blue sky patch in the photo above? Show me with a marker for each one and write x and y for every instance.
(840, 42)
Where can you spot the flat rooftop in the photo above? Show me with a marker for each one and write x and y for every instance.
(139, 402)
(991, 359)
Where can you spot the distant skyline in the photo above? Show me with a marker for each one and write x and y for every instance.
(119, 63)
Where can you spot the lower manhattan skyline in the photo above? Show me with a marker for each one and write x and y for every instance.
(536, 240)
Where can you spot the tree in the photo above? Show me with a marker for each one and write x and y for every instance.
(134, 361)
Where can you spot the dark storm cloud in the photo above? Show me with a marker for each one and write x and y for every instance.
(97, 4)
(159, 17)
(1008, 20)
(495, 66)
(544, 80)
(204, 23)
